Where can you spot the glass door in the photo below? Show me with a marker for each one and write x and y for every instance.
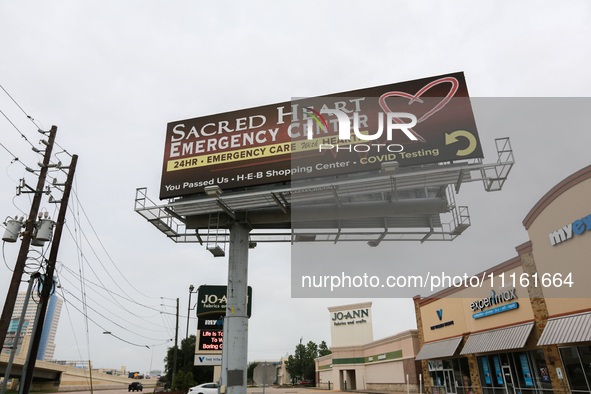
(450, 384)
(509, 383)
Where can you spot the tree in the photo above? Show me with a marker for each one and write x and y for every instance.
(323, 349)
(183, 381)
(295, 364)
(309, 364)
(250, 370)
(301, 365)
(177, 383)
(199, 374)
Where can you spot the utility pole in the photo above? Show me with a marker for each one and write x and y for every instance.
(48, 283)
(90, 371)
(176, 341)
(24, 250)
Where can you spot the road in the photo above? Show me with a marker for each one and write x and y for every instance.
(254, 390)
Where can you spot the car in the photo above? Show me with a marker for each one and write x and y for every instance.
(205, 388)
(305, 383)
(135, 386)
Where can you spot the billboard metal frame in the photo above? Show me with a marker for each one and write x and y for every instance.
(173, 220)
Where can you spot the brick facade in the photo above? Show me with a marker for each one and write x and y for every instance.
(473, 365)
(424, 366)
(538, 304)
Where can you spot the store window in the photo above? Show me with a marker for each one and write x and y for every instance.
(450, 376)
(523, 371)
(575, 360)
(585, 355)
(491, 381)
(518, 372)
(462, 375)
(540, 369)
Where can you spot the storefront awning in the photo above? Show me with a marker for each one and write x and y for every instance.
(567, 329)
(513, 337)
(439, 349)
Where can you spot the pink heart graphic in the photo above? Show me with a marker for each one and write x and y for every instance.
(413, 98)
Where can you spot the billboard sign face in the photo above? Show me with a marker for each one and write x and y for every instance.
(211, 340)
(417, 122)
(212, 301)
(211, 321)
(208, 359)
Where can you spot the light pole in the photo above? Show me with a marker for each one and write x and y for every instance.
(191, 288)
(176, 342)
(151, 358)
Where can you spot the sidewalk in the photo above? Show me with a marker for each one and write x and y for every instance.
(349, 391)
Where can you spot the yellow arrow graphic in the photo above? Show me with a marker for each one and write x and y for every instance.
(453, 137)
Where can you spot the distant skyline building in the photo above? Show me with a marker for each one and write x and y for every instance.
(47, 343)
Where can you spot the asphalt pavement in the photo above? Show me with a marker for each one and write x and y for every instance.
(250, 390)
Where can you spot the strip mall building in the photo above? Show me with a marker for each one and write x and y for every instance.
(358, 362)
(533, 334)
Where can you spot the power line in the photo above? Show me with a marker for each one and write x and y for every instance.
(21, 108)
(4, 257)
(110, 301)
(77, 223)
(119, 295)
(39, 128)
(85, 303)
(17, 129)
(102, 328)
(11, 154)
(106, 318)
(63, 151)
(98, 278)
(105, 250)
(169, 331)
(14, 158)
(103, 286)
(73, 331)
(133, 324)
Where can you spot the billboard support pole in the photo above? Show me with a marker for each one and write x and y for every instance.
(234, 352)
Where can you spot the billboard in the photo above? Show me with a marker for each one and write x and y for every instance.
(211, 321)
(207, 359)
(423, 121)
(211, 340)
(212, 302)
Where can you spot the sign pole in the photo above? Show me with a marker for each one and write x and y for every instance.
(234, 352)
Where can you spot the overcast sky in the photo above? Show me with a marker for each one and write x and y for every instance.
(112, 74)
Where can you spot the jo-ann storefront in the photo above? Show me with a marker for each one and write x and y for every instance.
(529, 331)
